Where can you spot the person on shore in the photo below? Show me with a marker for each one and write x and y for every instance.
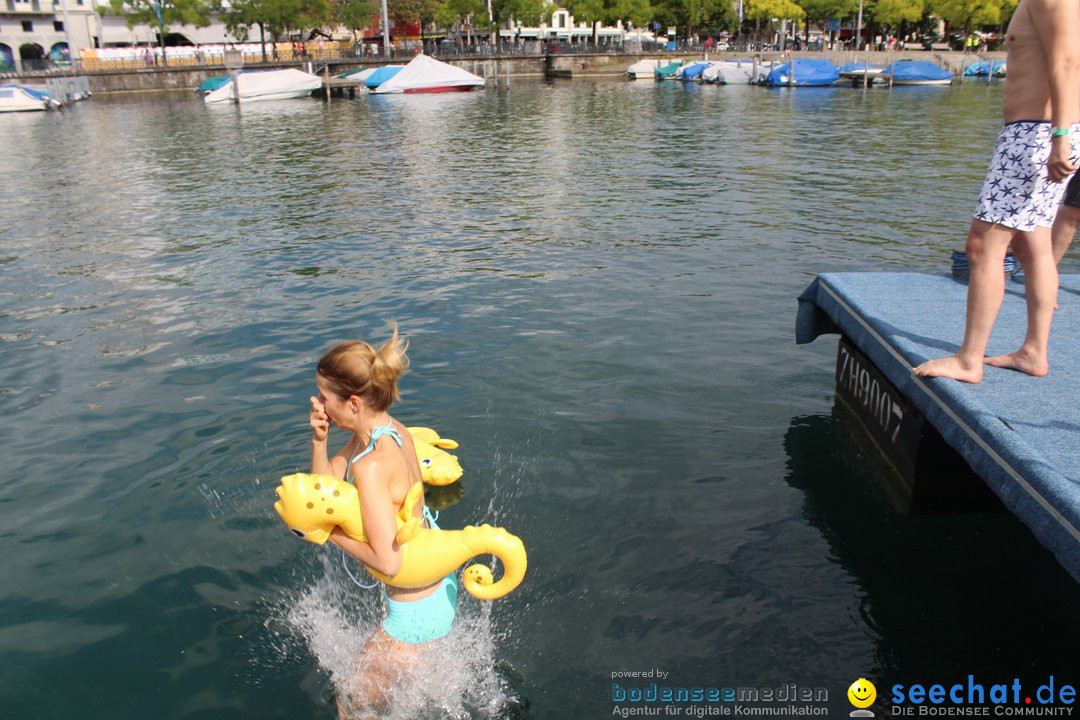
(1067, 220)
(1036, 152)
(357, 384)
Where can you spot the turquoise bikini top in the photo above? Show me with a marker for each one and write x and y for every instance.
(377, 433)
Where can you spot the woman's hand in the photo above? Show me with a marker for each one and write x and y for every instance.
(319, 420)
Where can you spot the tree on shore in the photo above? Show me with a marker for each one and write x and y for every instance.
(758, 10)
(528, 12)
(692, 16)
(354, 14)
(593, 12)
(412, 11)
(967, 15)
(638, 12)
(895, 14)
(160, 14)
(277, 16)
(819, 11)
(450, 12)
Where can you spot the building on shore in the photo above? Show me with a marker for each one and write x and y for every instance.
(38, 34)
(563, 29)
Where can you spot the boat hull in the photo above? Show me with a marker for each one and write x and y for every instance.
(917, 82)
(14, 98)
(442, 89)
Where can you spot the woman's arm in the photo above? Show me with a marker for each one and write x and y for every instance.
(380, 552)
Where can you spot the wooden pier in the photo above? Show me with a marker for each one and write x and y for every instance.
(1014, 432)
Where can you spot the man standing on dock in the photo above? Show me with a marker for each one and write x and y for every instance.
(1036, 152)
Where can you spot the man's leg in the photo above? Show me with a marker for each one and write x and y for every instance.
(1032, 249)
(986, 246)
(1065, 224)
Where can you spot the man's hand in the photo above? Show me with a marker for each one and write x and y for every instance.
(1059, 165)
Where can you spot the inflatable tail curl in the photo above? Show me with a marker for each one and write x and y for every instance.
(312, 505)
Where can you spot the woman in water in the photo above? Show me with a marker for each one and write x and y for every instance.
(357, 384)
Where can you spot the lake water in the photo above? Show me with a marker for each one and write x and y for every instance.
(598, 279)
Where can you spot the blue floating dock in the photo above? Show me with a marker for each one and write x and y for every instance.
(1020, 434)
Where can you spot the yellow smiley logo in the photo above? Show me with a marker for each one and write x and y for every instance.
(862, 693)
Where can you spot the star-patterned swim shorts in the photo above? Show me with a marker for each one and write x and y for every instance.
(1017, 192)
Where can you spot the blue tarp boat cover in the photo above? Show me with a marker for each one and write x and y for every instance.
(916, 71)
(381, 75)
(211, 84)
(984, 68)
(694, 71)
(806, 72)
(36, 94)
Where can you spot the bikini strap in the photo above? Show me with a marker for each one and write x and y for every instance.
(377, 433)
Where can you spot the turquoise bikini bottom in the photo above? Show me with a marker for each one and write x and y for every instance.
(421, 621)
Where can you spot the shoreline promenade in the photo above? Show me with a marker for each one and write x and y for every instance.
(106, 79)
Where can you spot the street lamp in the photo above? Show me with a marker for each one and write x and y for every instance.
(161, 30)
(385, 30)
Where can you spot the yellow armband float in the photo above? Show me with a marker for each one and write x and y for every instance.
(312, 505)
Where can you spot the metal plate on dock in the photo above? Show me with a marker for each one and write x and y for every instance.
(935, 475)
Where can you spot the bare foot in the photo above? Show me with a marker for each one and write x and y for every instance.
(1021, 361)
(950, 367)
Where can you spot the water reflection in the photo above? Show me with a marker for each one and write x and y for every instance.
(970, 582)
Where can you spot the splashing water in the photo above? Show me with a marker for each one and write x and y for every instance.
(453, 677)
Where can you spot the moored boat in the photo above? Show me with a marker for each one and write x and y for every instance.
(266, 85)
(380, 75)
(915, 72)
(19, 98)
(733, 72)
(667, 72)
(425, 74)
(691, 71)
(642, 69)
(803, 72)
(859, 72)
(985, 68)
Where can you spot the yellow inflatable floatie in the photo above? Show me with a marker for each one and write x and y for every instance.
(437, 466)
(312, 505)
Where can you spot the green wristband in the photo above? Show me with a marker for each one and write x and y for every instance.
(1059, 132)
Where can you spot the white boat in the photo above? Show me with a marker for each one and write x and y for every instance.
(266, 85)
(860, 71)
(18, 98)
(425, 74)
(734, 72)
(643, 69)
